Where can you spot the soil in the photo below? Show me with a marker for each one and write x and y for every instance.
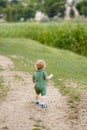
(18, 110)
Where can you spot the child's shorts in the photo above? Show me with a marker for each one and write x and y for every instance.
(40, 90)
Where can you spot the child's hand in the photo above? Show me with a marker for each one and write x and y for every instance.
(51, 75)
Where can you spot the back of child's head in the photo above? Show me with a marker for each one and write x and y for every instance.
(40, 64)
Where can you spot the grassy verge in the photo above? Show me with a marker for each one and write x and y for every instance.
(3, 89)
(69, 69)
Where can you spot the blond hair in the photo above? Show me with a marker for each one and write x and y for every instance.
(40, 64)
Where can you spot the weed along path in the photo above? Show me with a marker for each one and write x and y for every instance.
(18, 111)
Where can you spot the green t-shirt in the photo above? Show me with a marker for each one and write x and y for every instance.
(39, 78)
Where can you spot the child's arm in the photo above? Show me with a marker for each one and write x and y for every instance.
(33, 81)
(49, 77)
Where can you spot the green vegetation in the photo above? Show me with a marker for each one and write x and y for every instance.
(54, 7)
(66, 35)
(82, 7)
(14, 10)
(65, 64)
(3, 89)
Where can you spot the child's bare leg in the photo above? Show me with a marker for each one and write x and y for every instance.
(37, 98)
(43, 102)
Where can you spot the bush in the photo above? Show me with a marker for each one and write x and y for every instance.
(45, 18)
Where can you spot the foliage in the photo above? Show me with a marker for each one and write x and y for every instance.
(3, 3)
(15, 9)
(12, 14)
(15, 13)
(66, 35)
(53, 7)
(82, 7)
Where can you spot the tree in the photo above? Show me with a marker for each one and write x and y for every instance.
(82, 7)
(53, 7)
(28, 12)
(3, 3)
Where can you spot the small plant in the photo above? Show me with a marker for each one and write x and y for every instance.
(36, 129)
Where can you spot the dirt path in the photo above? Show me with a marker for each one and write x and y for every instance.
(18, 111)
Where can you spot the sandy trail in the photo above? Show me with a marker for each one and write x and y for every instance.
(19, 112)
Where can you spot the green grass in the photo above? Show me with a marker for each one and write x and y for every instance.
(68, 68)
(63, 64)
(3, 89)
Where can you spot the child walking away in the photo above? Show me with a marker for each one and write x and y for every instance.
(39, 79)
